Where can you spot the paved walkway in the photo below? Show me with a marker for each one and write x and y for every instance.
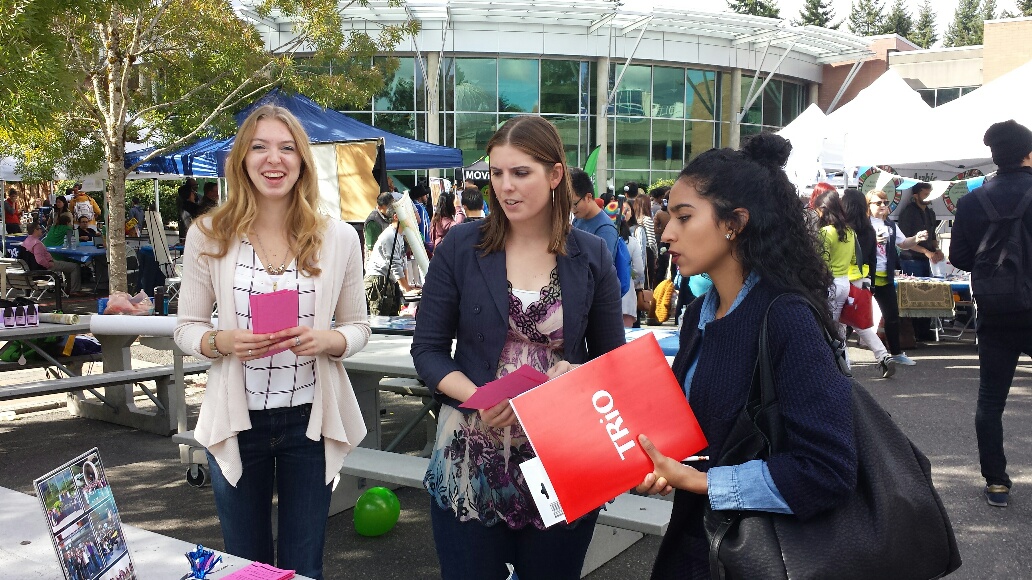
(933, 401)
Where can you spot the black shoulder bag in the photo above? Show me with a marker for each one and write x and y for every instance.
(893, 526)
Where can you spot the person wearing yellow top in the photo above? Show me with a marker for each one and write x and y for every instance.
(839, 247)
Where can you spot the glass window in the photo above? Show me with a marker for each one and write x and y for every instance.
(944, 96)
(791, 102)
(366, 118)
(476, 82)
(755, 113)
(560, 86)
(447, 89)
(699, 137)
(966, 90)
(620, 178)
(772, 103)
(928, 95)
(667, 144)
(702, 92)
(632, 143)
(668, 92)
(569, 131)
(403, 124)
(398, 91)
(472, 132)
(634, 96)
(517, 85)
(750, 130)
(420, 85)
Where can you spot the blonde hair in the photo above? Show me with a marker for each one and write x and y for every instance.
(875, 195)
(233, 219)
(539, 139)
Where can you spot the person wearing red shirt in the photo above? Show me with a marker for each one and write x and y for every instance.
(12, 215)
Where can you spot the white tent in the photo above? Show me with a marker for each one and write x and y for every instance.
(950, 143)
(806, 133)
(861, 130)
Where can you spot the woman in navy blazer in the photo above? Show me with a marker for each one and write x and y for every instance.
(519, 287)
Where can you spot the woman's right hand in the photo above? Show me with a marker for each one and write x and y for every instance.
(244, 344)
(501, 415)
(921, 236)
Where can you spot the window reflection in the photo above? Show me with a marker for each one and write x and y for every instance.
(517, 85)
(476, 84)
(702, 94)
(398, 91)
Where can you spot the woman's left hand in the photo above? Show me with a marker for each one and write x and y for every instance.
(668, 473)
(560, 368)
(304, 341)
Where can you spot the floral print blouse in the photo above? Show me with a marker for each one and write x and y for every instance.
(474, 468)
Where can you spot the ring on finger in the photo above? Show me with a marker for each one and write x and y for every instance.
(297, 341)
(248, 352)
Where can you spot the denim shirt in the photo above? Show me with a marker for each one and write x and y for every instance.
(748, 486)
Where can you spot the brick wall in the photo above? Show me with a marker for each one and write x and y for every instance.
(1007, 45)
(835, 74)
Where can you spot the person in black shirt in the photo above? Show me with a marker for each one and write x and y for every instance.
(916, 216)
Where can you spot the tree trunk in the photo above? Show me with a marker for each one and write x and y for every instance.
(114, 133)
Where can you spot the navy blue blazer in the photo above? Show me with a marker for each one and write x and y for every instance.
(466, 298)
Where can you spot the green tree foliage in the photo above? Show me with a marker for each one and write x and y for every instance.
(924, 34)
(768, 8)
(818, 13)
(898, 20)
(79, 78)
(867, 17)
(967, 26)
(1025, 7)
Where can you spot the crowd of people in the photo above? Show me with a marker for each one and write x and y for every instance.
(546, 275)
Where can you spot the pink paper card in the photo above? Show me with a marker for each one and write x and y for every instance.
(259, 571)
(515, 383)
(273, 312)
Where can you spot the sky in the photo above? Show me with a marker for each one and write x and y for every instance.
(790, 8)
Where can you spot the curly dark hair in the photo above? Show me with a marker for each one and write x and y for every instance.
(854, 207)
(775, 242)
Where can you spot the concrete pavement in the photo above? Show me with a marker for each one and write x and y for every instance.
(934, 402)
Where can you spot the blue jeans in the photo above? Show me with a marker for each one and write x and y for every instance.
(998, 352)
(275, 451)
(472, 551)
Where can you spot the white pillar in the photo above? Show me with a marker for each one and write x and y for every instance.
(433, 106)
(735, 139)
(601, 122)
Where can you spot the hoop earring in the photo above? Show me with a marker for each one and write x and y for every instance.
(553, 197)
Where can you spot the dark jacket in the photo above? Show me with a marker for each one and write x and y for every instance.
(914, 219)
(971, 223)
(818, 469)
(466, 298)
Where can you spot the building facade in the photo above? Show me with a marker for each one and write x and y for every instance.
(652, 89)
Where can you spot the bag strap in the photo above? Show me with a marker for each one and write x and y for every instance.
(394, 246)
(859, 257)
(994, 217)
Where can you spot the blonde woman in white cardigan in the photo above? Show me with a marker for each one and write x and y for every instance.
(290, 418)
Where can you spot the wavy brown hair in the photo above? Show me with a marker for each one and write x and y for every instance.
(539, 139)
(233, 219)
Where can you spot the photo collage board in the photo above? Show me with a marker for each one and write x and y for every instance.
(83, 521)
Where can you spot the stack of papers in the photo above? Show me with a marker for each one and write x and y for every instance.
(259, 571)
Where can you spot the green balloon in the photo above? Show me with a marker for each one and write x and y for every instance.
(376, 511)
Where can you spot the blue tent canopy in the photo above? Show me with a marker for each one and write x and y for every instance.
(207, 157)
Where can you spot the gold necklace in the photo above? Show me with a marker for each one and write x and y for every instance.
(272, 270)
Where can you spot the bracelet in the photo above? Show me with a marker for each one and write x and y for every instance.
(211, 344)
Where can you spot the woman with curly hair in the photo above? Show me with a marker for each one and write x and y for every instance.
(520, 287)
(736, 217)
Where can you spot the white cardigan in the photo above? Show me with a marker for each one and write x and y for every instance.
(339, 295)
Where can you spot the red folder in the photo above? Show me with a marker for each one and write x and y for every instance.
(584, 424)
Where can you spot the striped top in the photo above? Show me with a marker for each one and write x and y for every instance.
(283, 379)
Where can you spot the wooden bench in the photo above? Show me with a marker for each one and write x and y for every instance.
(92, 382)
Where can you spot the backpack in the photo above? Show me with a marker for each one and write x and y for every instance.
(622, 260)
(1001, 279)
